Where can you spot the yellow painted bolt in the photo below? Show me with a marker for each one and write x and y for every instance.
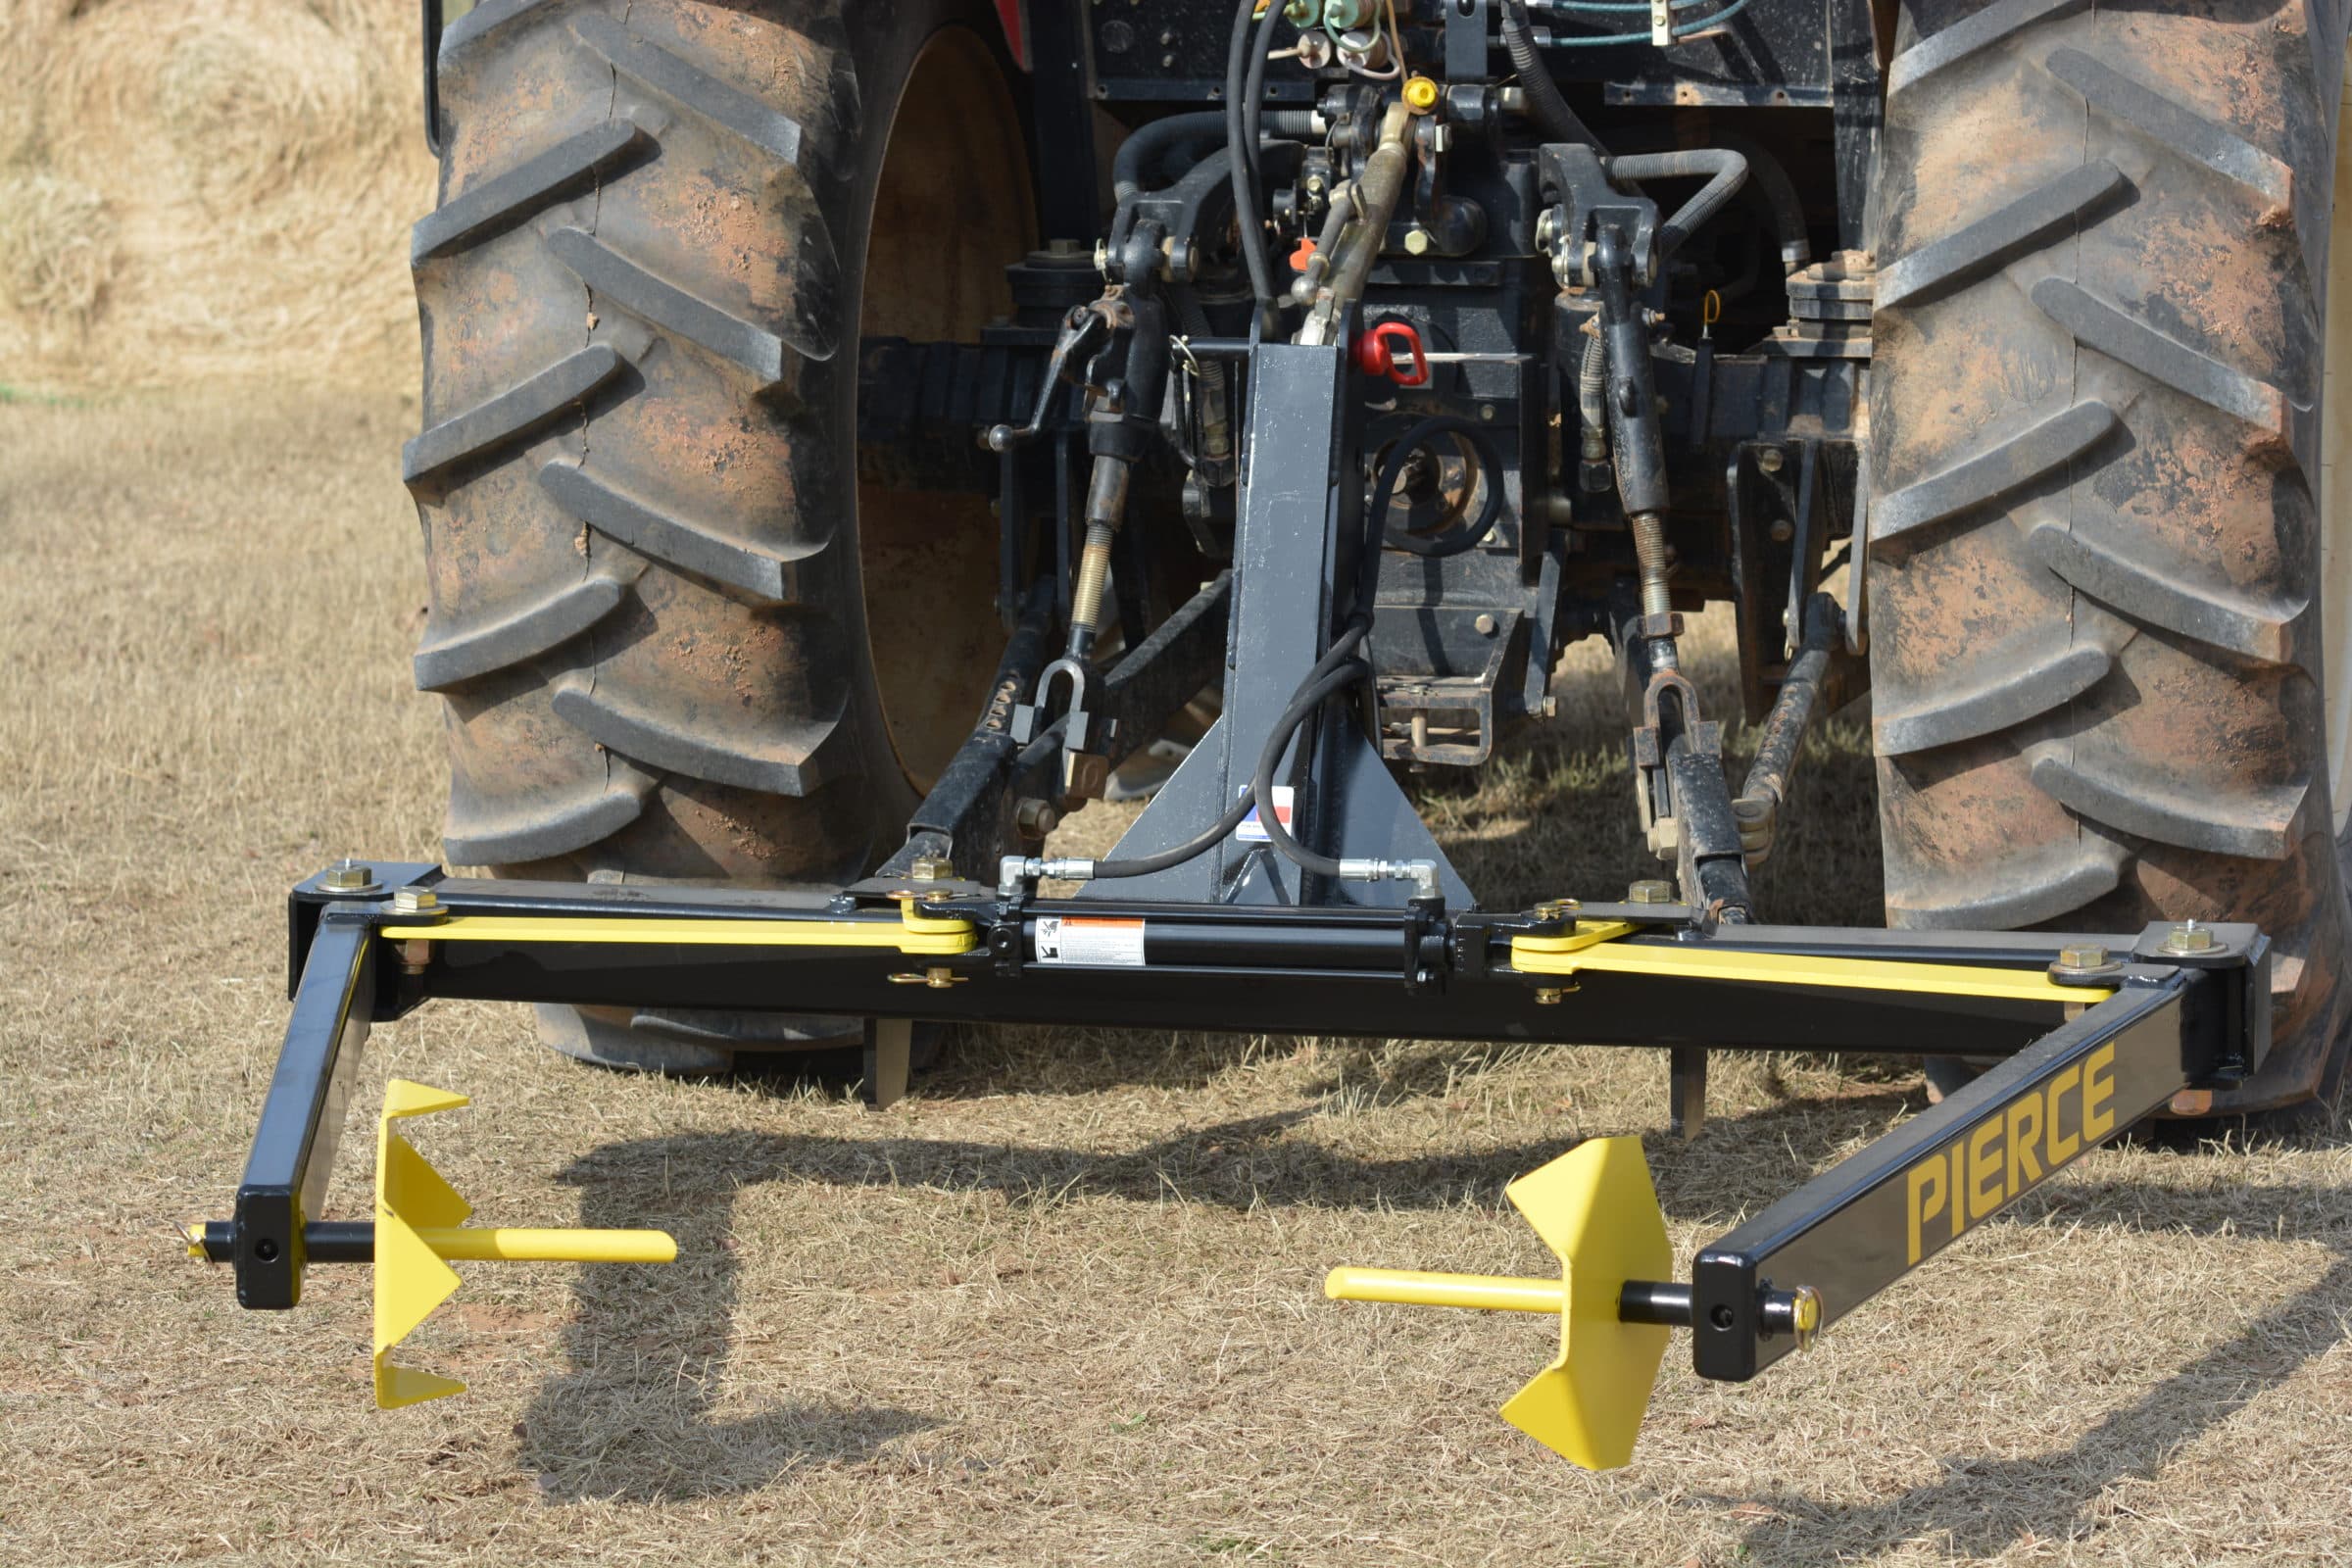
(1420, 94)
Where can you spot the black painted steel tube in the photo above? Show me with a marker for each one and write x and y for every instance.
(1659, 1302)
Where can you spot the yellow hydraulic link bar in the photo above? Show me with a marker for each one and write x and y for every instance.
(1585, 934)
(1409, 1286)
(1550, 956)
(917, 935)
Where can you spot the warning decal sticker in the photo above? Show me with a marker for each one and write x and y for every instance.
(1077, 939)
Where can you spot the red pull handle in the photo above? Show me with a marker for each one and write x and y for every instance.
(1376, 353)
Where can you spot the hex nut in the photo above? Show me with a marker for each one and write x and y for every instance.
(1650, 892)
(349, 876)
(2188, 937)
(931, 869)
(2083, 959)
(417, 900)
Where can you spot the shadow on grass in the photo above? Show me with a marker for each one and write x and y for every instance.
(634, 1417)
(1241, 1164)
(1981, 1506)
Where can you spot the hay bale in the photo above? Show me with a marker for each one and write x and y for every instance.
(254, 165)
(56, 249)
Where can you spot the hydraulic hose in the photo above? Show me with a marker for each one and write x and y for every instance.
(1143, 152)
(1549, 109)
(1261, 783)
(1769, 180)
(1303, 706)
(1245, 79)
(1726, 170)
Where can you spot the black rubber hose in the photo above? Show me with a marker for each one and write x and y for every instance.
(1768, 177)
(1550, 111)
(1726, 173)
(1240, 137)
(1779, 191)
(1253, 111)
(1261, 782)
(1237, 136)
(1296, 714)
(1454, 541)
(1141, 153)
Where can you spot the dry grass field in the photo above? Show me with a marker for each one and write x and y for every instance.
(1060, 1306)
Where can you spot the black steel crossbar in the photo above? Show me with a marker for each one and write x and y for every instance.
(2087, 1051)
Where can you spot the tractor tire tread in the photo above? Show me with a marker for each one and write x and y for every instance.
(2094, 655)
(630, 447)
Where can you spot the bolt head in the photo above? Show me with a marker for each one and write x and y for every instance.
(1650, 892)
(1550, 995)
(349, 876)
(1770, 459)
(1484, 625)
(932, 868)
(1804, 1315)
(2085, 957)
(1416, 241)
(416, 901)
(2188, 937)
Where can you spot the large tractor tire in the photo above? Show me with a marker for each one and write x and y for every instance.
(675, 639)
(2105, 666)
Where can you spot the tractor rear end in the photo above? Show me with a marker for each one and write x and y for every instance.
(829, 484)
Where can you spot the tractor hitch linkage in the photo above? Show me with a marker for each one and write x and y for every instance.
(2093, 1031)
